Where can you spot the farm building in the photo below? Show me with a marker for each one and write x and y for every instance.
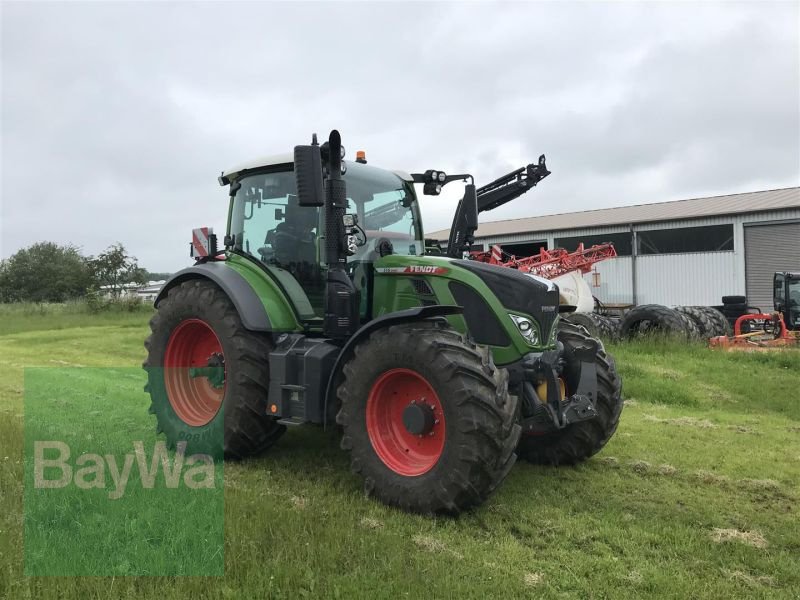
(683, 252)
(144, 292)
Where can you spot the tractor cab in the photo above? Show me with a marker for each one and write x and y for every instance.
(267, 224)
(786, 286)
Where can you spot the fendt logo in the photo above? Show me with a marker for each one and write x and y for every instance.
(427, 270)
(413, 270)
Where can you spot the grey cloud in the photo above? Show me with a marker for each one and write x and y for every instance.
(116, 118)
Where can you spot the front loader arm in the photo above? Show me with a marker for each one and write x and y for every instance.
(510, 186)
(491, 196)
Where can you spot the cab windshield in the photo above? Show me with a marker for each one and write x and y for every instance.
(386, 208)
(269, 225)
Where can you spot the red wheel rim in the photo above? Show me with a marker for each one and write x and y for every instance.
(404, 452)
(194, 398)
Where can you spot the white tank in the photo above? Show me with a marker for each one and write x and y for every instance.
(575, 291)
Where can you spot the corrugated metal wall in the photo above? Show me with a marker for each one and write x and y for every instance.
(671, 279)
(615, 281)
(685, 279)
(769, 248)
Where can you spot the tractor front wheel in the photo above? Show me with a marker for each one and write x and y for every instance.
(208, 376)
(427, 418)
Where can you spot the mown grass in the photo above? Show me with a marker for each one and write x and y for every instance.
(695, 496)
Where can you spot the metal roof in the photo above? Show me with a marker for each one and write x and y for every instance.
(714, 206)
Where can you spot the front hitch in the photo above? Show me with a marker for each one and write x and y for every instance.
(554, 412)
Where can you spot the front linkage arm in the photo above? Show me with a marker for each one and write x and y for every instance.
(553, 413)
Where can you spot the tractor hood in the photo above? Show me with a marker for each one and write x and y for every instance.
(522, 292)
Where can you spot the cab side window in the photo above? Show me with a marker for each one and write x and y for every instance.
(272, 227)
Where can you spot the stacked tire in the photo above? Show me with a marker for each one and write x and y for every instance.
(709, 321)
(734, 307)
(690, 326)
(655, 320)
(609, 328)
(683, 322)
(599, 326)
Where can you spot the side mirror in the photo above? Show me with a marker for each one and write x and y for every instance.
(308, 175)
(470, 201)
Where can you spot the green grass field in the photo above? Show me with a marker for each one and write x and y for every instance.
(695, 496)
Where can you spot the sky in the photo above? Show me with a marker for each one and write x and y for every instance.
(117, 118)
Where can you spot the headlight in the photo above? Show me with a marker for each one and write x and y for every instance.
(526, 328)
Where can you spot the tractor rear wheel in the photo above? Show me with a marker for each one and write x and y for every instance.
(577, 442)
(208, 376)
(427, 418)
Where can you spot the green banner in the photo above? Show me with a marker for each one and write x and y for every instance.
(104, 493)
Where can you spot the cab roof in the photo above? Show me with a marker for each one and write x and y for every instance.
(287, 158)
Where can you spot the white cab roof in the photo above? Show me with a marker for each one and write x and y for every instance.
(288, 158)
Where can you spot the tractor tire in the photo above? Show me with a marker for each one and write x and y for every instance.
(602, 326)
(735, 309)
(195, 322)
(692, 330)
(734, 300)
(652, 319)
(614, 325)
(579, 441)
(706, 326)
(427, 418)
(721, 324)
(609, 327)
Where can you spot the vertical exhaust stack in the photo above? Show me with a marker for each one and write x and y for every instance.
(318, 171)
(341, 296)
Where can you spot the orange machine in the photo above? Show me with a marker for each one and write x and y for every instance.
(771, 333)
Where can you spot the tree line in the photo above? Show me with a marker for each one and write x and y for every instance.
(49, 272)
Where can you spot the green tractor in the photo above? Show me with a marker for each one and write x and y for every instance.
(324, 308)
